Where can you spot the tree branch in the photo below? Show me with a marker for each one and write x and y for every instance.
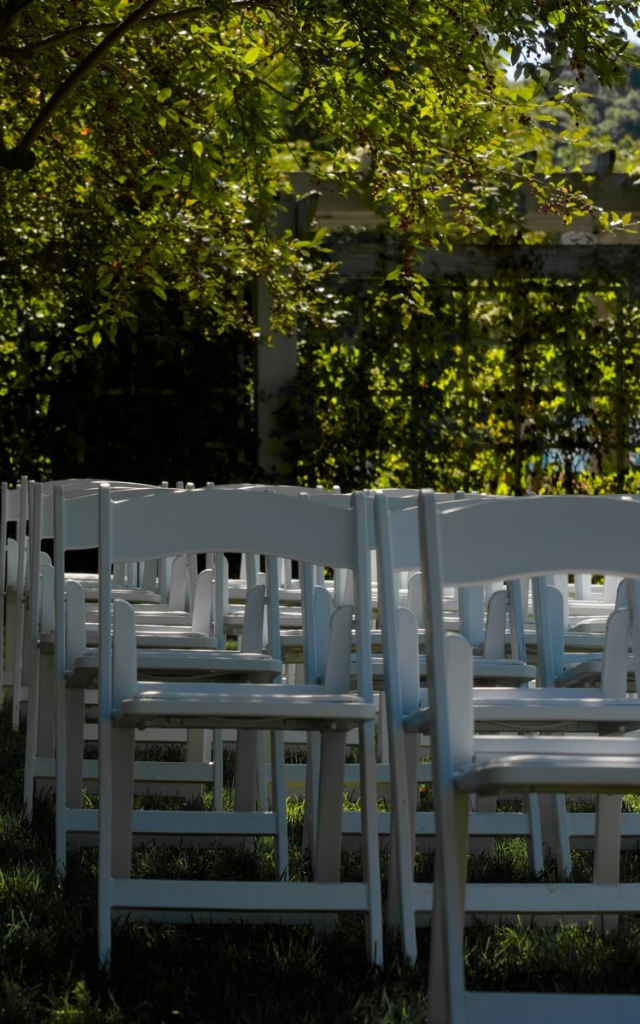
(21, 157)
(59, 38)
(10, 12)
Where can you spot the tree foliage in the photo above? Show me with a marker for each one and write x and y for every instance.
(500, 386)
(144, 146)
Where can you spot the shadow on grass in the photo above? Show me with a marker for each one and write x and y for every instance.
(238, 972)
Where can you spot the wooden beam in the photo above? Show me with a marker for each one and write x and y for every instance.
(276, 360)
(600, 264)
(338, 209)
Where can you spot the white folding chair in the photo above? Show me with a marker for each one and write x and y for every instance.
(164, 649)
(501, 540)
(39, 629)
(14, 509)
(275, 526)
(404, 665)
(15, 598)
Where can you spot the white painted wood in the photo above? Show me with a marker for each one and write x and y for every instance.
(535, 537)
(277, 526)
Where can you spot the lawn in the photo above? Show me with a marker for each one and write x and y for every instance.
(244, 973)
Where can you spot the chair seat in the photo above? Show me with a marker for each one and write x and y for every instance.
(147, 631)
(535, 709)
(149, 617)
(588, 640)
(528, 773)
(290, 618)
(499, 669)
(131, 594)
(161, 637)
(277, 710)
(595, 625)
(206, 664)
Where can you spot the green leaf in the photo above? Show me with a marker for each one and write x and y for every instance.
(252, 55)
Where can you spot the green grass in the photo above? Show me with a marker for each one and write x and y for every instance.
(207, 974)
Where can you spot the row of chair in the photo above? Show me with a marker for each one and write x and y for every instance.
(483, 667)
(497, 540)
(484, 739)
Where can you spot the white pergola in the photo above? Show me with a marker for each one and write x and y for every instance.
(581, 251)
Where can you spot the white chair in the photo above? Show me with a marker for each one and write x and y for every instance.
(404, 669)
(39, 630)
(73, 644)
(490, 665)
(570, 655)
(567, 654)
(512, 709)
(546, 637)
(276, 526)
(500, 540)
(15, 574)
(178, 651)
(14, 510)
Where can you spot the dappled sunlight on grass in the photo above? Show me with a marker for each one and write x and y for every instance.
(210, 973)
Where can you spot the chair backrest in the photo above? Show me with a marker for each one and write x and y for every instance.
(77, 531)
(403, 543)
(13, 509)
(474, 543)
(236, 520)
(533, 537)
(166, 523)
(70, 516)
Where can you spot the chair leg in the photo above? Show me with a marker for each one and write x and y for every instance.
(446, 959)
(217, 769)
(19, 677)
(383, 733)
(483, 844)
(197, 744)
(606, 861)
(104, 922)
(41, 726)
(8, 678)
(246, 769)
(279, 796)
(75, 745)
(31, 743)
(117, 749)
(246, 773)
(400, 909)
(69, 757)
(123, 752)
(333, 747)
(199, 752)
(262, 782)
(46, 732)
(553, 817)
(534, 838)
(370, 843)
(311, 793)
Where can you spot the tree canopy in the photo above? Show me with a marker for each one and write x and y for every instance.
(144, 145)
